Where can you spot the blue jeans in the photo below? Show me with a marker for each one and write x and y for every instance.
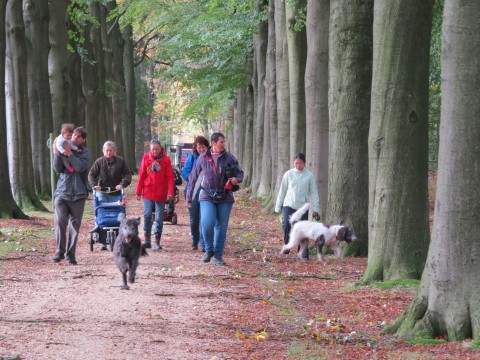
(148, 207)
(194, 211)
(214, 223)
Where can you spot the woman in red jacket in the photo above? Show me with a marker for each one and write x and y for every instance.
(156, 186)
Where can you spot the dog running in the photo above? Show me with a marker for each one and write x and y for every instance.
(128, 248)
(303, 231)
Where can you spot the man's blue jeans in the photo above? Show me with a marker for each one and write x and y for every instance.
(214, 221)
(148, 206)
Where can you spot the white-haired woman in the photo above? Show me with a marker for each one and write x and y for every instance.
(109, 171)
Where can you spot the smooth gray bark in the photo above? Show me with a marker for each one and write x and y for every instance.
(447, 304)
(398, 141)
(350, 70)
(316, 96)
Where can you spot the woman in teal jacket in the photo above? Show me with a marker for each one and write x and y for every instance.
(298, 188)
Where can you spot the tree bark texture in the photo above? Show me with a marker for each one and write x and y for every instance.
(119, 95)
(239, 121)
(8, 208)
(350, 72)
(249, 118)
(448, 301)
(270, 108)
(260, 45)
(129, 74)
(35, 17)
(398, 140)
(316, 95)
(265, 159)
(21, 166)
(58, 63)
(297, 56)
(283, 94)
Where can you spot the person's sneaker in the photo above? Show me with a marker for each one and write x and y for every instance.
(207, 256)
(57, 257)
(157, 247)
(103, 247)
(194, 247)
(219, 261)
(72, 261)
(202, 249)
(147, 245)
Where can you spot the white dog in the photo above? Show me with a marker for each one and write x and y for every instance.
(303, 231)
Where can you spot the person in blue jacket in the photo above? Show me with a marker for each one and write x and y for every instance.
(200, 145)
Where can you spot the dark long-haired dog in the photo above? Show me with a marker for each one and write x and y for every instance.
(128, 248)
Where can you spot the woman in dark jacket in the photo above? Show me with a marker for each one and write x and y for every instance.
(221, 174)
(108, 171)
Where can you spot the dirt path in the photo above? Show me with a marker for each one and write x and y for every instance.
(261, 306)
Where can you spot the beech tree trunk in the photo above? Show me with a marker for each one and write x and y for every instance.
(21, 166)
(35, 17)
(351, 23)
(316, 96)
(398, 140)
(8, 208)
(249, 118)
(119, 95)
(447, 303)
(270, 108)
(297, 56)
(129, 73)
(58, 58)
(283, 94)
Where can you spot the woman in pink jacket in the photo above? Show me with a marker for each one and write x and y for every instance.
(156, 186)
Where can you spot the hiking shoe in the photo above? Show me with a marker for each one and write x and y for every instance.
(207, 256)
(147, 245)
(72, 261)
(57, 257)
(103, 247)
(219, 261)
(157, 247)
(194, 247)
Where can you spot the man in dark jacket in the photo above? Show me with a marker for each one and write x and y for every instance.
(70, 195)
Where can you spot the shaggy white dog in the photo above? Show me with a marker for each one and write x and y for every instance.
(303, 231)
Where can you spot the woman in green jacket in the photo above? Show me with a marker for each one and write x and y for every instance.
(298, 188)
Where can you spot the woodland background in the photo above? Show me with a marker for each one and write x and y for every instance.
(367, 89)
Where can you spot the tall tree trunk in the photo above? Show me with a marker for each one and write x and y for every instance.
(447, 303)
(297, 56)
(283, 94)
(89, 82)
(119, 96)
(21, 166)
(129, 72)
(269, 163)
(58, 59)
(262, 125)
(35, 17)
(349, 98)
(239, 123)
(8, 208)
(98, 125)
(316, 95)
(398, 140)
(249, 115)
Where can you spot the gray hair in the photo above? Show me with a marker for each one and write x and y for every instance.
(109, 143)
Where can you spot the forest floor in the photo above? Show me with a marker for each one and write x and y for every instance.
(263, 305)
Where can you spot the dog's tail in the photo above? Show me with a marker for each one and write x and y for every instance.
(297, 215)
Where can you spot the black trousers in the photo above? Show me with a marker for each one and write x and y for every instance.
(287, 212)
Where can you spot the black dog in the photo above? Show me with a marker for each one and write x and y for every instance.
(128, 248)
